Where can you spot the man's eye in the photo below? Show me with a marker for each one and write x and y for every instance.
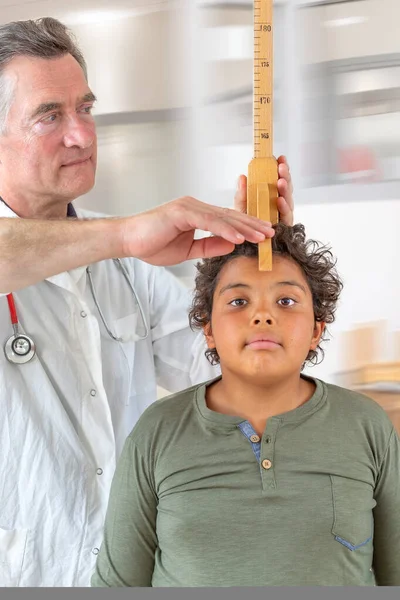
(87, 109)
(49, 119)
(286, 302)
(238, 302)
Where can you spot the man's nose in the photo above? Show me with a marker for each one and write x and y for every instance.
(79, 133)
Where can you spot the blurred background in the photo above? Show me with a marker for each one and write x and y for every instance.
(174, 116)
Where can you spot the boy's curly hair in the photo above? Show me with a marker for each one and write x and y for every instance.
(315, 260)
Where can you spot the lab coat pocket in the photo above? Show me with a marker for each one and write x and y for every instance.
(353, 503)
(12, 551)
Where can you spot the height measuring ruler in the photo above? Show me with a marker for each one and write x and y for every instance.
(262, 177)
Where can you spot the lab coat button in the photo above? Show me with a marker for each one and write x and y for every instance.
(95, 551)
(93, 393)
(99, 471)
(83, 314)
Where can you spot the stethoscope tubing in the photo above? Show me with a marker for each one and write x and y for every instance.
(20, 348)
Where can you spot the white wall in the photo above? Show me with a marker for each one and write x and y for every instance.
(140, 166)
(365, 239)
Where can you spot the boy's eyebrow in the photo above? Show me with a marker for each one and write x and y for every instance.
(230, 286)
(233, 285)
(46, 107)
(293, 283)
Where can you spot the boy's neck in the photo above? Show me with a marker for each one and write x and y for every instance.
(258, 402)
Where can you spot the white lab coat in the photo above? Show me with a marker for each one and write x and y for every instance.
(65, 415)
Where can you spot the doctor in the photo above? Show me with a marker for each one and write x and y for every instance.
(94, 335)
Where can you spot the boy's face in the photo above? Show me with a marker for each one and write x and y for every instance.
(263, 323)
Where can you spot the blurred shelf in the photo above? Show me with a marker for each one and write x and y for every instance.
(380, 373)
(381, 382)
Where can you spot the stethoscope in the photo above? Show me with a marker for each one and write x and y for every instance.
(20, 348)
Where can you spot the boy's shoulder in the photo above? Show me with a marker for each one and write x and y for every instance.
(164, 414)
(354, 404)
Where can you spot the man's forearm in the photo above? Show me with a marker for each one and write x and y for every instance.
(32, 250)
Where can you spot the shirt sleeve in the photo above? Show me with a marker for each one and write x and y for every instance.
(179, 352)
(387, 517)
(127, 554)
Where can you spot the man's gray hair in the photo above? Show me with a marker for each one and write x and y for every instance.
(42, 38)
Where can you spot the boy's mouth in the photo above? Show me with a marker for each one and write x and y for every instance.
(262, 342)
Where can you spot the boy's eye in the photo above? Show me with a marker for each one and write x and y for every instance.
(286, 302)
(238, 302)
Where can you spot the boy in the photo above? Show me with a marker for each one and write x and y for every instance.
(263, 476)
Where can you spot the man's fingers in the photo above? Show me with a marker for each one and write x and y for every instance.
(210, 246)
(285, 212)
(241, 194)
(236, 227)
(284, 173)
(190, 214)
(285, 186)
(282, 160)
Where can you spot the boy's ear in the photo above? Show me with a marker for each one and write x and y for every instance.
(209, 336)
(319, 328)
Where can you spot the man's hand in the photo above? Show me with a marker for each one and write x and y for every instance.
(285, 190)
(165, 235)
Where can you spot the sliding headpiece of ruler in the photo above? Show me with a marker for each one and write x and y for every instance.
(262, 177)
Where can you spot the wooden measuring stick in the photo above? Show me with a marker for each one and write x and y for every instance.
(262, 192)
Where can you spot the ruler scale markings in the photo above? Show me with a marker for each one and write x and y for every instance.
(263, 171)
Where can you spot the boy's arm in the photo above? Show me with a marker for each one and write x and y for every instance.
(387, 517)
(127, 555)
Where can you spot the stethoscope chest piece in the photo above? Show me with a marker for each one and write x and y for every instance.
(19, 349)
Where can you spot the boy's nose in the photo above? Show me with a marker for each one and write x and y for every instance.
(259, 321)
(263, 315)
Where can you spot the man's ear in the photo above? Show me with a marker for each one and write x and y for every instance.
(319, 328)
(209, 336)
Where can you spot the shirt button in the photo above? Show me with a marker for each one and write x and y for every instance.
(99, 471)
(254, 439)
(93, 392)
(95, 551)
(267, 464)
(83, 314)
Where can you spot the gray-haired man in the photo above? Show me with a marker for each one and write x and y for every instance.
(104, 336)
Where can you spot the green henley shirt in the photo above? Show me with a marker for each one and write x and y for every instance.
(191, 504)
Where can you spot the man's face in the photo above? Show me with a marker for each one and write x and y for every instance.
(48, 152)
(262, 322)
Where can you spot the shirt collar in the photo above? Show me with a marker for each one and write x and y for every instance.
(224, 421)
(71, 212)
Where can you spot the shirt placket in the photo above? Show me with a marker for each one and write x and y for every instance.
(264, 450)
